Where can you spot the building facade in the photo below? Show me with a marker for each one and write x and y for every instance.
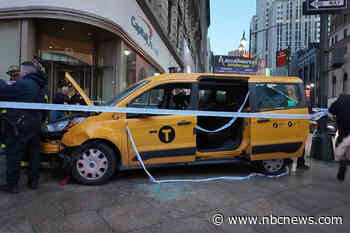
(307, 69)
(282, 25)
(107, 45)
(339, 56)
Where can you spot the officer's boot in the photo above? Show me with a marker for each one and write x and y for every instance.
(342, 171)
(10, 188)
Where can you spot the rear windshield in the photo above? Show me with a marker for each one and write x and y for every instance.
(275, 96)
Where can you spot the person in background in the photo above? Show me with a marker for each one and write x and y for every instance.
(61, 97)
(13, 72)
(340, 108)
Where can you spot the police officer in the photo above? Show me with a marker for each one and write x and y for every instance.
(23, 126)
(13, 72)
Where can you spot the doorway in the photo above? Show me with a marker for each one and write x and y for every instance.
(56, 77)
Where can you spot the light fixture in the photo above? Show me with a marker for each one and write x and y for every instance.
(89, 34)
(50, 47)
(312, 85)
(127, 52)
(308, 86)
(62, 28)
(156, 74)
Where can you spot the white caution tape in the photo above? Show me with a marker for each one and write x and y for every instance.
(236, 178)
(80, 108)
(231, 122)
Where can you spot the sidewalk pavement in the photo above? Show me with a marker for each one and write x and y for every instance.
(130, 203)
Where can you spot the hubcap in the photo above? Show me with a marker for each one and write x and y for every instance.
(273, 165)
(92, 164)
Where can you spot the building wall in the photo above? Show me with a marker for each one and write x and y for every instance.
(307, 69)
(10, 49)
(118, 12)
(339, 38)
(185, 20)
(253, 39)
(288, 28)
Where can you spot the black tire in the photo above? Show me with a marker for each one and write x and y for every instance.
(85, 161)
(277, 166)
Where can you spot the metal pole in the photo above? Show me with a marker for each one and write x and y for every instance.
(250, 42)
(324, 61)
(322, 146)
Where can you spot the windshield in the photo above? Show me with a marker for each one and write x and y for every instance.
(126, 93)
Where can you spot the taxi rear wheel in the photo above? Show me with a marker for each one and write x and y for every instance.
(94, 165)
(272, 166)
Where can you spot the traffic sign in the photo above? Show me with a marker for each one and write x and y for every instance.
(326, 5)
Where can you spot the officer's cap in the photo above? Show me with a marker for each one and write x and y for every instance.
(13, 70)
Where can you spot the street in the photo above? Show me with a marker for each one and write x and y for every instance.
(131, 203)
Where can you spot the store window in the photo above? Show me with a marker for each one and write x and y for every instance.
(153, 71)
(9, 49)
(334, 86)
(128, 67)
(142, 73)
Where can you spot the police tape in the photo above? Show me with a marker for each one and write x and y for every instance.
(81, 108)
(232, 178)
(227, 125)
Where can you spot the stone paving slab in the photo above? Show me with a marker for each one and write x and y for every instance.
(130, 203)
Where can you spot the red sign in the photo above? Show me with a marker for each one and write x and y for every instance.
(281, 58)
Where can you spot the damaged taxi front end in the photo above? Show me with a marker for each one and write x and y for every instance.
(52, 133)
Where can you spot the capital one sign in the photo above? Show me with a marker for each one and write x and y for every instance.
(145, 31)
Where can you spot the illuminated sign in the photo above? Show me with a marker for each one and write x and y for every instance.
(234, 65)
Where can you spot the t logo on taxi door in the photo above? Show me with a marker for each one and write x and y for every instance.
(166, 134)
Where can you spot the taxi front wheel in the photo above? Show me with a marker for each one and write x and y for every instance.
(272, 166)
(94, 165)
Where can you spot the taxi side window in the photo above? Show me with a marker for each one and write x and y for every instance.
(149, 99)
(213, 97)
(168, 96)
(274, 96)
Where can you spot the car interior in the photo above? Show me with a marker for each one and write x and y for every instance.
(221, 96)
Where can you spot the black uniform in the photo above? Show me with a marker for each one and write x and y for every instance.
(22, 129)
(340, 108)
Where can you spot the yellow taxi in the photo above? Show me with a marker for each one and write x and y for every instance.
(98, 145)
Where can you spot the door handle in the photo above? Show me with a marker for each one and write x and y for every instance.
(263, 121)
(152, 131)
(184, 123)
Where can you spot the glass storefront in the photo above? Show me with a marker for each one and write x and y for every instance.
(99, 61)
(9, 49)
(135, 68)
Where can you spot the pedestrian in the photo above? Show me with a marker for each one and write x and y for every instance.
(61, 97)
(340, 108)
(22, 128)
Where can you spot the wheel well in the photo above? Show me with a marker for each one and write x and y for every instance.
(111, 145)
